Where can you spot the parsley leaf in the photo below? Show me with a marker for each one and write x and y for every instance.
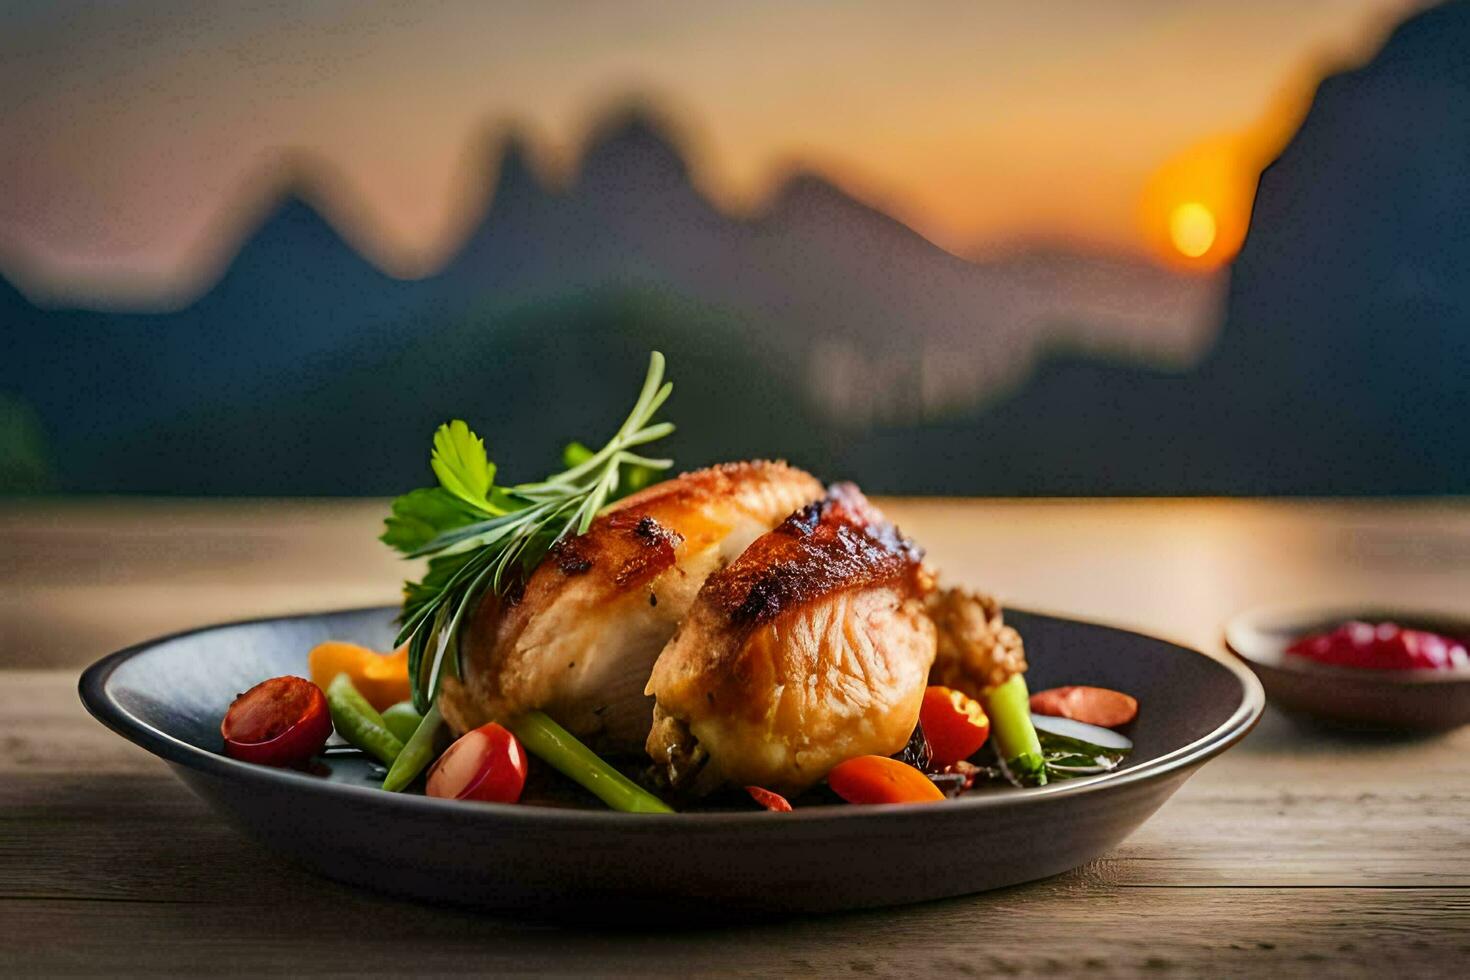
(420, 516)
(460, 463)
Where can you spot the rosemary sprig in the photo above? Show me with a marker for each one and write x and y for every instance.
(479, 536)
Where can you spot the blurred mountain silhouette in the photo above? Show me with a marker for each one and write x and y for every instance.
(819, 329)
(305, 369)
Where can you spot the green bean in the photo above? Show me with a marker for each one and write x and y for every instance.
(417, 752)
(358, 722)
(557, 747)
(1009, 708)
(402, 720)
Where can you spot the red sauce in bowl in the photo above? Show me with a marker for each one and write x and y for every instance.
(1382, 646)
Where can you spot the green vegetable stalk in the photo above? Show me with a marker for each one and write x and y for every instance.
(402, 720)
(557, 747)
(1009, 708)
(417, 753)
(359, 723)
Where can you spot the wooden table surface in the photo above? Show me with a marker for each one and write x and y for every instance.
(1298, 853)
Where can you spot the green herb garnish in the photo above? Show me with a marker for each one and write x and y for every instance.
(480, 536)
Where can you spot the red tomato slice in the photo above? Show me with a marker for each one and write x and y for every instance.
(1092, 705)
(771, 801)
(487, 764)
(879, 779)
(954, 723)
(280, 722)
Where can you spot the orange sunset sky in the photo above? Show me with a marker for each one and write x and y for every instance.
(130, 133)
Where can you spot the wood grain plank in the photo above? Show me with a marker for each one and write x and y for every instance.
(80, 579)
(1031, 931)
(127, 837)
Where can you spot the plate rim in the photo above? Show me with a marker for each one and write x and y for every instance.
(92, 688)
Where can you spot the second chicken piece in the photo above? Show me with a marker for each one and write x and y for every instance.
(811, 648)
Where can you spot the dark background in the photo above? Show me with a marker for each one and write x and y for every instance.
(819, 330)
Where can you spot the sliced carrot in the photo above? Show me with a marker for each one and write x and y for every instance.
(380, 678)
(879, 779)
(1093, 705)
(771, 801)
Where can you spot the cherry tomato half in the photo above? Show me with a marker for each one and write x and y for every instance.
(771, 801)
(954, 723)
(280, 722)
(1098, 706)
(879, 779)
(487, 764)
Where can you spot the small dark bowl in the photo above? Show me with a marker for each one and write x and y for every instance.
(169, 696)
(1351, 697)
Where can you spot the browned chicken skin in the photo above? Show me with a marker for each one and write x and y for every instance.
(580, 640)
(811, 648)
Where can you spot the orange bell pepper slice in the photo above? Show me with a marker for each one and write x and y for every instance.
(380, 678)
(954, 724)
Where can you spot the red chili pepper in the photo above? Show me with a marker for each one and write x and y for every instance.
(774, 802)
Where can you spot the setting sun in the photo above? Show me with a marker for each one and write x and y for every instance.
(1192, 229)
(1196, 207)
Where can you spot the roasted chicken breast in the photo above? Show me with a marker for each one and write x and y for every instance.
(810, 648)
(580, 640)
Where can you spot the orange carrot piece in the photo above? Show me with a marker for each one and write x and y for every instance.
(879, 779)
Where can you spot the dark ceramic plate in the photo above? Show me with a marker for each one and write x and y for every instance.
(169, 696)
(1394, 700)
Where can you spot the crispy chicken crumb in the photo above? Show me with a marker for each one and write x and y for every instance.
(976, 648)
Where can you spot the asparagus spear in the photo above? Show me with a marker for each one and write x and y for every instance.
(556, 746)
(359, 722)
(417, 753)
(1009, 707)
